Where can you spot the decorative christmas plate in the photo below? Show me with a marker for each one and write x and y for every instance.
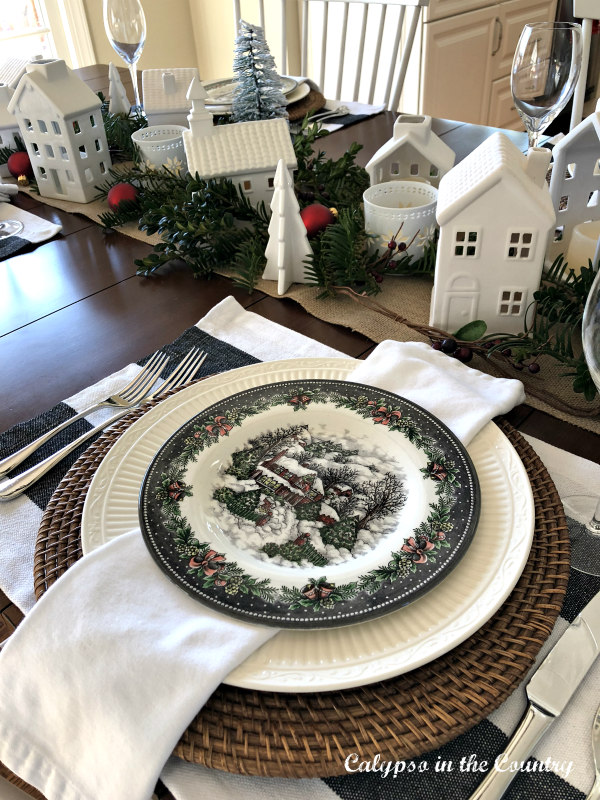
(309, 505)
(221, 92)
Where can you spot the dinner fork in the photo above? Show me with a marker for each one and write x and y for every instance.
(128, 397)
(183, 374)
(594, 793)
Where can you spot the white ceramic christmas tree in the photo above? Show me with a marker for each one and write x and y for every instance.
(118, 102)
(60, 121)
(288, 245)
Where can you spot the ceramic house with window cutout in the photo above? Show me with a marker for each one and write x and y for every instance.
(164, 93)
(495, 216)
(245, 152)
(575, 182)
(61, 125)
(414, 152)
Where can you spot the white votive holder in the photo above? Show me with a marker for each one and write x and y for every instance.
(584, 245)
(162, 146)
(401, 209)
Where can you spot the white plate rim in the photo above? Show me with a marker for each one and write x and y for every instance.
(278, 665)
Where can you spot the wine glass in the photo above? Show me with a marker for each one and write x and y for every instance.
(585, 539)
(545, 69)
(10, 227)
(125, 26)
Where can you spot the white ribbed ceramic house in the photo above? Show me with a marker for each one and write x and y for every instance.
(495, 216)
(575, 181)
(164, 93)
(245, 152)
(414, 152)
(61, 125)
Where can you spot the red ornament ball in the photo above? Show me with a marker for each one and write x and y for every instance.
(119, 193)
(19, 164)
(316, 218)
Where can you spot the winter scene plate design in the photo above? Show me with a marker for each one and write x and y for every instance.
(310, 505)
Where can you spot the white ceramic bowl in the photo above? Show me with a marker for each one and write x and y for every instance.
(162, 145)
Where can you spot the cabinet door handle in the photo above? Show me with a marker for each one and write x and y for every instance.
(498, 32)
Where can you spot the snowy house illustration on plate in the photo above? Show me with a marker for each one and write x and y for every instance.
(575, 181)
(61, 125)
(414, 152)
(495, 216)
(245, 152)
(164, 94)
(8, 126)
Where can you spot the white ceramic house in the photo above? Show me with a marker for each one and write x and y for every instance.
(575, 181)
(61, 125)
(164, 93)
(8, 126)
(414, 152)
(495, 216)
(12, 70)
(245, 152)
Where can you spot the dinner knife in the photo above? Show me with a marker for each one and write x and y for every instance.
(548, 691)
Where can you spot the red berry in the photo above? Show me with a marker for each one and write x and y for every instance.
(402, 246)
(436, 345)
(392, 245)
(464, 354)
(534, 367)
(448, 345)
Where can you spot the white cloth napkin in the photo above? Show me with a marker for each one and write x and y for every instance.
(35, 228)
(103, 676)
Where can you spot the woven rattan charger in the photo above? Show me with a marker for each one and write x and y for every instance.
(309, 735)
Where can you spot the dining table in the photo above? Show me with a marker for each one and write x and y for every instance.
(74, 313)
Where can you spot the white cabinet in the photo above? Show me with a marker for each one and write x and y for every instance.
(466, 58)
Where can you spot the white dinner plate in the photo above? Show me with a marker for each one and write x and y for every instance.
(339, 658)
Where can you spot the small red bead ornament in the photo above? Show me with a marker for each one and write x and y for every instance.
(316, 218)
(119, 193)
(19, 164)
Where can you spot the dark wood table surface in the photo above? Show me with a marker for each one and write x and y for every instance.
(72, 309)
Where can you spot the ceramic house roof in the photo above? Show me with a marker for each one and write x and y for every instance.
(166, 89)
(587, 128)
(496, 159)
(240, 148)
(416, 130)
(59, 86)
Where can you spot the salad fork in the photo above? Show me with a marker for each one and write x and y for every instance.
(128, 397)
(184, 373)
(594, 793)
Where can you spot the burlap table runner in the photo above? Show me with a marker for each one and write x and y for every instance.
(409, 298)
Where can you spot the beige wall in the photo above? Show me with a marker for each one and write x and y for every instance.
(169, 36)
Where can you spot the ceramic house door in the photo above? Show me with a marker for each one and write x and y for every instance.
(461, 303)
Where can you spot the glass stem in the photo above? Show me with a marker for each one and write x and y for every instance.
(133, 73)
(594, 524)
(533, 137)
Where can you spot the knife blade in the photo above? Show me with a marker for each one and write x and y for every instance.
(548, 691)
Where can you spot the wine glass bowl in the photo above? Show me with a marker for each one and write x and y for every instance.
(125, 26)
(545, 70)
(585, 509)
